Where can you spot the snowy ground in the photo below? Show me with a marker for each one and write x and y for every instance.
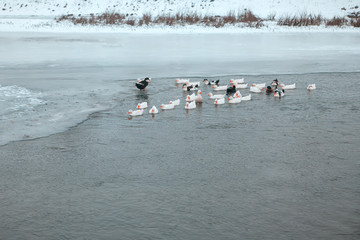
(38, 16)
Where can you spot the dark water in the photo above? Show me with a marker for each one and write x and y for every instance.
(265, 169)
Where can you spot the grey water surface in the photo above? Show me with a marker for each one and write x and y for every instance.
(268, 168)
(265, 169)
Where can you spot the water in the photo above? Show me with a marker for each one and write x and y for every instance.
(265, 169)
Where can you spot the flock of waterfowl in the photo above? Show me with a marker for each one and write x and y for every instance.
(229, 91)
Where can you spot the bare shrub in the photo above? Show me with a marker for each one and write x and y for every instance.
(147, 18)
(336, 21)
(355, 22)
(302, 20)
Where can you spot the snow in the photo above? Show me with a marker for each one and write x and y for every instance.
(39, 15)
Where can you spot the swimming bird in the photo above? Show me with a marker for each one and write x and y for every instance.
(246, 98)
(311, 86)
(255, 89)
(167, 106)
(190, 87)
(217, 96)
(142, 105)
(220, 88)
(269, 89)
(198, 98)
(207, 82)
(241, 86)
(259, 85)
(237, 81)
(182, 80)
(234, 100)
(136, 112)
(153, 110)
(231, 89)
(219, 101)
(237, 94)
(289, 87)
(175, 102)
(142, 83)
(279, 93)
(190, 98)
(190, 105)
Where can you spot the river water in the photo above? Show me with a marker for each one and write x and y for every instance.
(265, 169)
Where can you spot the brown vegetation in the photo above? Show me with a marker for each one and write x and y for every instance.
(241, 19)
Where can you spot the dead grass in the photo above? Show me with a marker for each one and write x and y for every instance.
(246, 18)
(336, 21)
(301, 21)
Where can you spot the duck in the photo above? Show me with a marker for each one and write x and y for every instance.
(167, 106)
(190, 87)
(237, 94)
(142, 105)
(182, 80)
(219, 101)
(279, 93)
(311, 86)
(217, 96)
(231, 89)
(220, 88)
(153, 110)
(241, 85)
(246, 98)
(234, 100)
(269, 89)
(259, 85)
(175, 102)
(255, 89)
(207, 82)
(190, 105)
(198, 98)
(288, 87)
(134, 113)
(142, 83)
(190, 98)
(237, 81)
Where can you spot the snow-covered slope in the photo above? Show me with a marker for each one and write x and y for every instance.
(262, 8)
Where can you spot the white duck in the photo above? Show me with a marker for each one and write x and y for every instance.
(182, 80)
(311, 86)
(237, 94)
(136, 112)
(219, 101)
(279, 93)
(241, 86)
(190, 105)
(255, 90)
(289, 87)
(246, 98)
(190, 98)
(153, 110)
(167, 106)
(237, 81)
(259, 85)
(217, 96)
(220, 88)
(142, 105)
(234, 100)
(198, 98)
(175, 102)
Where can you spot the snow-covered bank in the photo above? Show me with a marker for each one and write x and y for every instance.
(39, 16)
(46, 24)
(210, 7)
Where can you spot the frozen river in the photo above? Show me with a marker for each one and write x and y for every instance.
(265, 169)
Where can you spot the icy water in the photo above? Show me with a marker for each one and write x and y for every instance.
(265, 169)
